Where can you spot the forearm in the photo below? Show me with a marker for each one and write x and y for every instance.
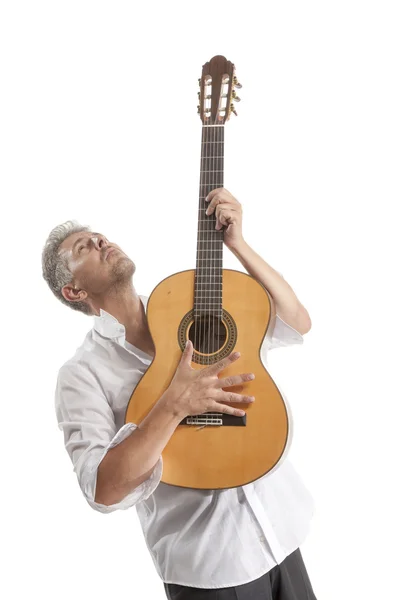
(287, 305)
(132, 461)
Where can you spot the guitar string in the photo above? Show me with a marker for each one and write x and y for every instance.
(208, 244)
(197, 272)
(212, 243)
(214, 234)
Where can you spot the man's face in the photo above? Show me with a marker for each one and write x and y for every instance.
(96, 264)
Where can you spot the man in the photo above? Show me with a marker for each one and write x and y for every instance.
(234, 543)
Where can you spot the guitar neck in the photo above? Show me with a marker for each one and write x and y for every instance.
(208, 283)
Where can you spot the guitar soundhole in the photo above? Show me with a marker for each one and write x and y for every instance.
(213, 337)
(208, 334)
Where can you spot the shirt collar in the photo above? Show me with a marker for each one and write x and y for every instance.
(108, 326)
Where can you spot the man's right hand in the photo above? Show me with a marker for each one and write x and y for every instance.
(196, 391)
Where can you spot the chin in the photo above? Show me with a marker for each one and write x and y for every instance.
(123, 268)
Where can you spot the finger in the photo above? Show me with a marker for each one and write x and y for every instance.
(236, 398)
(225, 216)
(213, 193)
(222, 364)
(228, 410)
(214, 202)
(235, 380)
(222, 201)
(187, 354)
(226, 209)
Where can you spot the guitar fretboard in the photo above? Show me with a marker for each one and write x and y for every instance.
(208, 281)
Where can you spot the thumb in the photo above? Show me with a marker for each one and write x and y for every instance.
(187, 353)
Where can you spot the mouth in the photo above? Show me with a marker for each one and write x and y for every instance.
(109, 252)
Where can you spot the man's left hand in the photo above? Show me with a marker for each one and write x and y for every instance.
(229, 213)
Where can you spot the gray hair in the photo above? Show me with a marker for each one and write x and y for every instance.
(54, 265)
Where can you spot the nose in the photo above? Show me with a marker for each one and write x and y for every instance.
(99, 241)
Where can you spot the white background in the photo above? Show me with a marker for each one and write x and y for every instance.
(99, 123)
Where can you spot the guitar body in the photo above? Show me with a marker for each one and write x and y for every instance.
(215, 451)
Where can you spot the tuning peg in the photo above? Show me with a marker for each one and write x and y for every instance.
(198, 109)
(233, 109)
(236, 83)
(199, 82)
(235, 97)
(198, 94)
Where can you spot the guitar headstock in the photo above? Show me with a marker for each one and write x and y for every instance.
(217, 91)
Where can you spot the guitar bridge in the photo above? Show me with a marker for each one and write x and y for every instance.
(214, 419)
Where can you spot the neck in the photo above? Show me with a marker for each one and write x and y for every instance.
(126, 306)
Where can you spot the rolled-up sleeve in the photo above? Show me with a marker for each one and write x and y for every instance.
(87, 421)
(282, 335)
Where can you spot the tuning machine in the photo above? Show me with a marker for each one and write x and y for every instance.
(232, 109)
(235, 97)
(236, 83)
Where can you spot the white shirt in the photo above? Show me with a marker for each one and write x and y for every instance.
(256, 525)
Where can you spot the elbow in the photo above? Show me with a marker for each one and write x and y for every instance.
(101, 497)
(102, 494)
(106, 496)
(303, 321)
(304, 328)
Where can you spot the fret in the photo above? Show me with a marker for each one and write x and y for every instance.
(208, 221)
(213, 268)
(211, 160)
(208, 304)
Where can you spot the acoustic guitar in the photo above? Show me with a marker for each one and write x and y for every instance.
(220, 311)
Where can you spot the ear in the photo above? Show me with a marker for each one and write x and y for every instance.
(73, 294)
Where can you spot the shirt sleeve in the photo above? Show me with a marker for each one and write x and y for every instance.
(282, 335)
(87, 421)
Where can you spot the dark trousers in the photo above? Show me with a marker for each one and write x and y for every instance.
(287, 581)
